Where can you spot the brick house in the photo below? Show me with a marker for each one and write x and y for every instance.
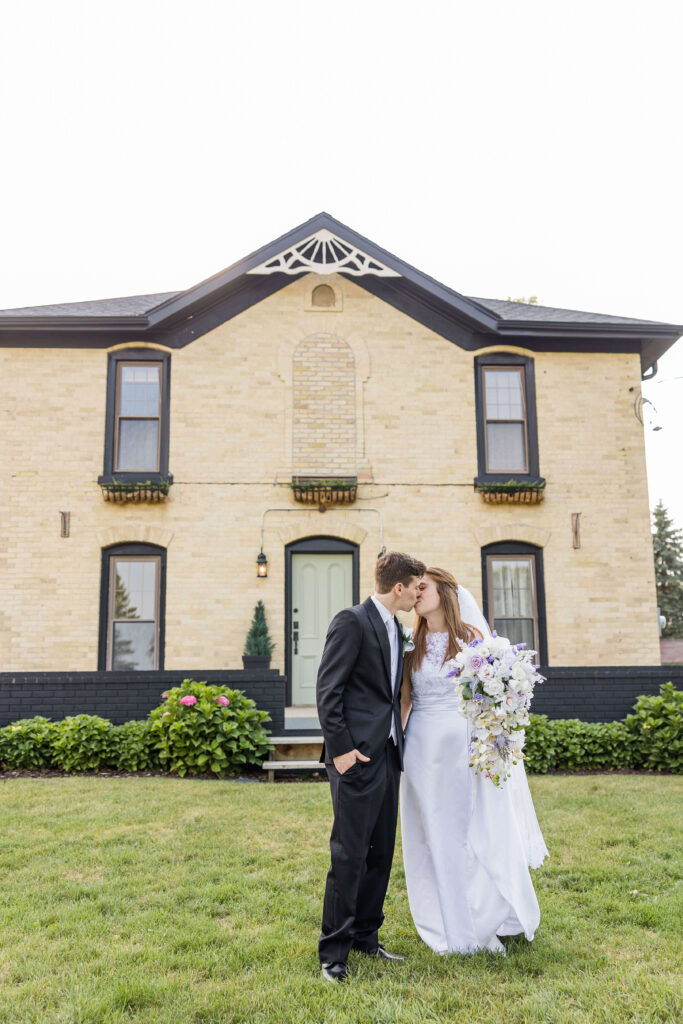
(167, 460)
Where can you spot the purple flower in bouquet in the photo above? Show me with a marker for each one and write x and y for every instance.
(475, 642)
(477, 662)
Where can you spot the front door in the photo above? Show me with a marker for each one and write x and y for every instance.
(322, 584)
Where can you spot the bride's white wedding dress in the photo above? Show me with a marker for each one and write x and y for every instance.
(467, 845)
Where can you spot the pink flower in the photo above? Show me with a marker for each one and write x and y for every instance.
(164, 696)
(223, 701)
(188, 700)
(165, 714)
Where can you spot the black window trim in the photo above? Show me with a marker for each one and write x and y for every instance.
(507, 359)
(129, 355)
(519, 548)
(139, 550)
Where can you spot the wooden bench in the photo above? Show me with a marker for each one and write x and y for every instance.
(275, 766)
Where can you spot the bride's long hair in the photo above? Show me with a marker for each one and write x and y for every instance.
(447, 588)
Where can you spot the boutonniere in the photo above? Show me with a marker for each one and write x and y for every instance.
(406, 640)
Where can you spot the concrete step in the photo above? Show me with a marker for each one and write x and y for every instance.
(275, 766)
(296, 748)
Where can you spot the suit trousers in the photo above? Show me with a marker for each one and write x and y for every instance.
(365, 804)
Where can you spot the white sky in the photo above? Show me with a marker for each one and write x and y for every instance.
(527, 148)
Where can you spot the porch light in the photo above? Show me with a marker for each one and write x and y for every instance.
(261, 565)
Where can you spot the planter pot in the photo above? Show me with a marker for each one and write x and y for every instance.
(513, 497)
(138, 495)
(343, 491)
(256, 660)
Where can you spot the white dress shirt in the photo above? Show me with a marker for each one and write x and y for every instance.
(390, 624)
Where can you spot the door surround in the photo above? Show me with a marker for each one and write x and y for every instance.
(322, 545)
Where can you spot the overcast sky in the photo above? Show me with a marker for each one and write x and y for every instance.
(507, 149)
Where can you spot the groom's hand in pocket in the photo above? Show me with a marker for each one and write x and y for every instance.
(346, 761)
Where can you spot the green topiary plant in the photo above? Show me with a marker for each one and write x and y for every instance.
(201, 728)
(27, 743)
(258, 642)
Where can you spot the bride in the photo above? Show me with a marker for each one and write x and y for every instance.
(467, 845)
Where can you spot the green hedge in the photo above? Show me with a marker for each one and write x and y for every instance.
(651, 737)
(193, 731)
(197, 729)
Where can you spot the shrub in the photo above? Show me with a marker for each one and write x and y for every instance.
(201, 728)
(83, 743)
(655, 730)
(258, 641)
(133, 747)
(27, 743)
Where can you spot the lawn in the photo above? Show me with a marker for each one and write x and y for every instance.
(198, 902)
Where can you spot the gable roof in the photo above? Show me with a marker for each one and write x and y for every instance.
(324, 245)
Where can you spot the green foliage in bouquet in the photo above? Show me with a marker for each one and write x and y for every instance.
(655, 730)
(258, 641)
(27, 744)
(133, 747)
(83, 743)
(203, 729)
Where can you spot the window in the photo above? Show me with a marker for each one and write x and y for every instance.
(132, 614)
(507, 440)
(138, 414)
(137, 426)
(514, 598)
(505, 420)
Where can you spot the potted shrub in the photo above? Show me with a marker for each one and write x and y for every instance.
(258, 645)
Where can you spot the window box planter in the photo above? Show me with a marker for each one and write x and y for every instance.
(323, 493)
(139, 493)
(513, 492)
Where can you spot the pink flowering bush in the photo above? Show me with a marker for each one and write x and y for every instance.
(200, 729)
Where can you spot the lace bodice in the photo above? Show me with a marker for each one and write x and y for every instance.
(431, 683)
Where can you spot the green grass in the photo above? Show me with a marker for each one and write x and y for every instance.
(194, 902)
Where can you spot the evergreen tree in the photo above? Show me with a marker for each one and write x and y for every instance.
(668, 552)
(258, 640)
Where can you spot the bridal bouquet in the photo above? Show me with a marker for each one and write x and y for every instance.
(495, 685)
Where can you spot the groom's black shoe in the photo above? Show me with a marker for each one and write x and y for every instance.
(383, 954)
(334, 972)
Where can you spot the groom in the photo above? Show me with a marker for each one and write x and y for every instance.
(359, 693)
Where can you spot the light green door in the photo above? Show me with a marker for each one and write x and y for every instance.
(321, 586)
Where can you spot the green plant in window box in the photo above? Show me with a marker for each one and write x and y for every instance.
(512, 491)
(121, 490)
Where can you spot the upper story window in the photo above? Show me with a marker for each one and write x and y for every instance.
(506, 439)
(507, 436)
(137, 424)
(138, 417)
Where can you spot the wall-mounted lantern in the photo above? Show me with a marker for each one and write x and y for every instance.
(261, 565)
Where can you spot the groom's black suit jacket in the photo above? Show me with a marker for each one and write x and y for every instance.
(356, 696)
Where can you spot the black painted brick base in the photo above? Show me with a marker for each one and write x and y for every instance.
(121, 696)
(599, 694)
(591, 694)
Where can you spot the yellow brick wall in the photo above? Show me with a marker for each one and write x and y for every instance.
(230, 454)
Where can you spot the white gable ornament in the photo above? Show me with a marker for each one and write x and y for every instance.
(324, 253)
